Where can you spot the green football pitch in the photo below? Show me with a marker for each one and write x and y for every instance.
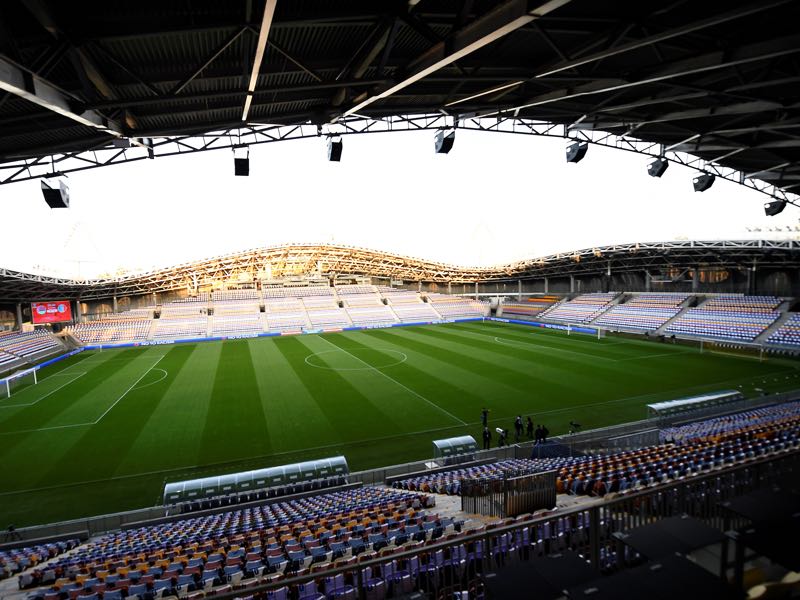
(103, 431)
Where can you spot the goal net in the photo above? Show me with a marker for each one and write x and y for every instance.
(13, 384)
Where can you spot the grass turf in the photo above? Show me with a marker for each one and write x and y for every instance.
(103, 431)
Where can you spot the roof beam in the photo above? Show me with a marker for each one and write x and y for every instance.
(15, 80)
(261, 46)
(663, 36)
(506, 18)
(719, 59)
(211, 58)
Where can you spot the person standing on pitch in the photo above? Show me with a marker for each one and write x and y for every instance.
(487, 438)
(530, 428)
(517, 428)
(485, 417)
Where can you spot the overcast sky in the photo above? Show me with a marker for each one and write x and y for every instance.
(495, 198)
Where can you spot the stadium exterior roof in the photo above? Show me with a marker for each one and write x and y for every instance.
(299, 260)
(89, 83)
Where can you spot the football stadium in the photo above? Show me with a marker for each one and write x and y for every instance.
(453, 393)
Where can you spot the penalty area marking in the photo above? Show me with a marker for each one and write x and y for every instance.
(96, 421)
(392, 379)
(79, 375)
(403, 358)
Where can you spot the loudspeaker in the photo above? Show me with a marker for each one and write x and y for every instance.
(576, 151)
(443, 142)
(335, 150)
(774, 208)
(241, 167)
(657, 167)
(703, 181)
(56, 193)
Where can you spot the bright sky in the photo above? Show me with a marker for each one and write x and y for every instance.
(494, 199)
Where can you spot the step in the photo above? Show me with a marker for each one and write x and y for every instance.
(762, 337)
(663, 328)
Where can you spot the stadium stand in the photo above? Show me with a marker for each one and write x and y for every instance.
(644, 311)
(236, 324)
(190, 327)
(693, 448)
(531, 308)
(7, 360)
(246, 294)
(210, 552)
(582, 309)
(372, 316)
(356, 289)
(17, 560)
(788, 334)
(456, 307)
(728, 317)
(111, 330)
(28, 344)
(333, 318)
(414, 312)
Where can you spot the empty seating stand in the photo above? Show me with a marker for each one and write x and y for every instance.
(582, 309)
(728, 317)
(112, 330)
(788, 334)
(456, 307)
(646, 312)
(28, 343)
(530, 308)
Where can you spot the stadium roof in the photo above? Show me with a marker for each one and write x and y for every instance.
(91, 82)
(303, 260)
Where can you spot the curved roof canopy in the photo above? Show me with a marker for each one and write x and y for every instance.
(102, 82)
(326, 260)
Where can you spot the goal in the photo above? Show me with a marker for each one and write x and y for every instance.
(17, 382)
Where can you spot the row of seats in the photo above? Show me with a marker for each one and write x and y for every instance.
(113, 330)
(788, 334)
(246, 294)
(646, 318)
(737, 302)
(178, 328)
(730, 322)
(416, 312)
(19, 559)
(658, 300)
(455, 307)
(296, 292)
(582, 309)
(372, 316)
(28, 343)
(531, 308)
(237, 324)
(270, 537)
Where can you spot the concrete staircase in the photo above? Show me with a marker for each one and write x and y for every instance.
(663, 328)
(762, 337)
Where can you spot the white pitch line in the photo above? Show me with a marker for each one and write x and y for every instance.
(80, 374)
(90, 423)
(128, 390)
(408, 389)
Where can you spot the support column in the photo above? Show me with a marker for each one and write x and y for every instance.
(114, 307)
(419, 286)
(648, 281)
(476, 290)
(695, 279)
(519, 290)
(449, 287)
(546, 285)
(752, 281)
(19, 316)
(572, 284)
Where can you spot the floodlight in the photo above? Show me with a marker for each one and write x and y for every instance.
(56, 192)
(444, 140)
(335, 149)
(576, 151)
(774, 208)
(703, 181)
(657, 167)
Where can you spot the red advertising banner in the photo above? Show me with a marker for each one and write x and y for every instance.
(59, 311)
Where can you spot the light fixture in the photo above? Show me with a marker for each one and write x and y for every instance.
(703, 181)
(56, 192)
(576, 151)
(657, 167)
(241, 161)
(334, 149)
(774, 208)
(444, 140)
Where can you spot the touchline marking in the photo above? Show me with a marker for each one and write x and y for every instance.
(80, 374)
(408, 389)
(96, 421)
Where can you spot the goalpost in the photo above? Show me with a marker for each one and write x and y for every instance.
(18, 381)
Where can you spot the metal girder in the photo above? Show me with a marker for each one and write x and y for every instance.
(233, 134)
(740, 108)
(663, 36)
(508, 17)
(363, 57)
(16, 80)
(698, 64)
(261, 46)
(207, 61)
